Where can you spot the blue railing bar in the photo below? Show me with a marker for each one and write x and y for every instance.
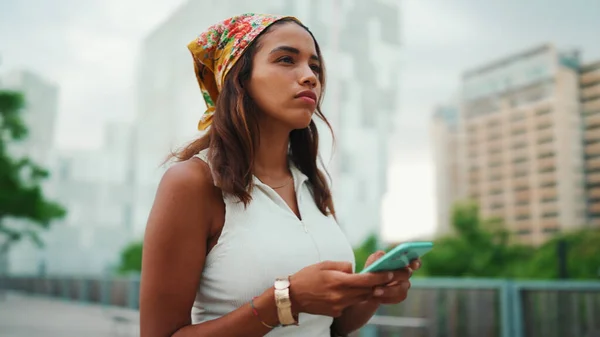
(399, 322)
(465, 283)
(559, 285)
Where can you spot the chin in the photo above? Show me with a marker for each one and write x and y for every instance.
(301, 120)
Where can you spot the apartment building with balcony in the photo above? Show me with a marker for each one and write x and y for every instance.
(520, 143)
(590, 109)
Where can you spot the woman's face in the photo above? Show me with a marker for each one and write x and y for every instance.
(285, 83)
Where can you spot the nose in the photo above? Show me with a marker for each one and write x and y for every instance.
(308, 77)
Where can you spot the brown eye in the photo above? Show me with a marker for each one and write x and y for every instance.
(286, 59)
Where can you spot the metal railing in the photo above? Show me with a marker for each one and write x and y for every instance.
(435, 306)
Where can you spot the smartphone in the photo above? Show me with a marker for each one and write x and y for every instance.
(399, 257)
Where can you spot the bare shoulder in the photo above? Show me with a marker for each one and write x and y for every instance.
(188, 177)
(185, 209)
(186, 202)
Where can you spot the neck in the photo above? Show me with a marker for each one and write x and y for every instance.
(271, 158)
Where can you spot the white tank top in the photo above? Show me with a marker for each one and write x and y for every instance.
(265, 241)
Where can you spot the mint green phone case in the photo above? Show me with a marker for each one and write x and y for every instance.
(399, 257)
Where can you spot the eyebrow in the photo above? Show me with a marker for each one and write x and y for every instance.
(293, 51)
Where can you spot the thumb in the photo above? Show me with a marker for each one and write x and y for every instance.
(374, 257)
(342, 266)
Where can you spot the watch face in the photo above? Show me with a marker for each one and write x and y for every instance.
(282, 283)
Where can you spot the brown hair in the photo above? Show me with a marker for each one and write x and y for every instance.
(233, 137)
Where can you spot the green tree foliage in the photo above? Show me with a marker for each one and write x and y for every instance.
(482, 248)
(583, 256)
(478, 248)
(131, 258)
(21, 194)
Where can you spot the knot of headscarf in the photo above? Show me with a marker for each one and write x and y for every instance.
(217, 50)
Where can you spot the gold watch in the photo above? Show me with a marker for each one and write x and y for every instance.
(283, 302)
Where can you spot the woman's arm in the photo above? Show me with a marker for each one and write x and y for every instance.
(186, 207)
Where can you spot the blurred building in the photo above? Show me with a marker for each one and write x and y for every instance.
(590, 108)
(360, 103)
(448, 170)
(40, 113)
(521, 137)
(95, 186)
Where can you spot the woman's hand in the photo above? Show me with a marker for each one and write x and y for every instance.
(396, 290)
(327, 288)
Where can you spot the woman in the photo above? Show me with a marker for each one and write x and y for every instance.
(242, 231)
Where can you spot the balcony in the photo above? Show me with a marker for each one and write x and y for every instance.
(595, 208)
(515, 131)
(590, 92)
(593, 164)
(498, 214)
(494, 160)
(543, 136)
(522, 211)
(544, 120)
(594, 193)
(522, 226)
(594, 178)
(522, 196)
(520, 153)
(592, 135)
(521, 183)
(592, 150)
(546, 179)
(545, 148)
(546, 164)
(474, 191)
(495, 185)
(591, 77)
(591, 106)
(495, 172)
(548, 208)
(592, 121)
(548, 193)
(549, 223)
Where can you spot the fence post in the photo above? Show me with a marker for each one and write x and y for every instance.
(517, 310)
(505, 309)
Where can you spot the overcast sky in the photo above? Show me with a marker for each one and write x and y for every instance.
(89, 47)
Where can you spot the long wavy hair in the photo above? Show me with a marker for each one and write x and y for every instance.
(233, 137)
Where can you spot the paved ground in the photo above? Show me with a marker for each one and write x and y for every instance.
(26, 316)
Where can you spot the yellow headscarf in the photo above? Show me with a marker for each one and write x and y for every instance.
(217, 50)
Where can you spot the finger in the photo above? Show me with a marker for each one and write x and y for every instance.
(342, 266)
(392, 292)
(374, 257)
(402, 274)
(357, 295)
(415, 264)
(367, 279)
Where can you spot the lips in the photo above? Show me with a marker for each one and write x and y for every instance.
(308, 96)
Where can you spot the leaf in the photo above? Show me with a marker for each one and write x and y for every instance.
(21, 194)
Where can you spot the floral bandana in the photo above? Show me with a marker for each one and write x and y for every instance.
(217, 50)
